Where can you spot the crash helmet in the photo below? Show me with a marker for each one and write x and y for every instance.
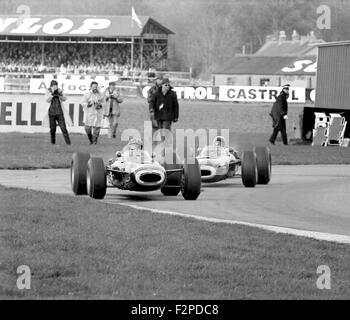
(135, 144)
(219, 141)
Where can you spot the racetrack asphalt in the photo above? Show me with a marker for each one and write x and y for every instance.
(314, 198)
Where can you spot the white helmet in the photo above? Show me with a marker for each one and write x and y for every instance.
(219, 141)
(135, 144)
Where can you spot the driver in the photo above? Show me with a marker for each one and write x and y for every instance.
(135, 144)
(219, 142)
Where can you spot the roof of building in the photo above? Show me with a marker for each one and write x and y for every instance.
(335, 43)
(277, 45)
(256, 65)
(79, 26)
(286, 48)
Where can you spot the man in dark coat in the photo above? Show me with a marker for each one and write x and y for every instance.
(150, 94)
(279, 116)
(55, 97)
(165, 106)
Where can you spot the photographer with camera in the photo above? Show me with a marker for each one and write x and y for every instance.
(93, 106)
(112, 111)
(57, 113)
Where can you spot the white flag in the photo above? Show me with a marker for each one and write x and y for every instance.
(135, 18)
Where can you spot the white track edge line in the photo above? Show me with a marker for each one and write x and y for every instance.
(283, 230)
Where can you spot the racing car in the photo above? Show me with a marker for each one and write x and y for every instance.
(134, 170)
(218, 162)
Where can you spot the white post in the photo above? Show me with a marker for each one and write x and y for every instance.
(132, 53)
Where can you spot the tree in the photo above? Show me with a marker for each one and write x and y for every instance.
(209, 32)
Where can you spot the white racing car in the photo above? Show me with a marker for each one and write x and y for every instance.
(133, 170)
(218, 162)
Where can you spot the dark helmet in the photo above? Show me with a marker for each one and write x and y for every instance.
(219, 141)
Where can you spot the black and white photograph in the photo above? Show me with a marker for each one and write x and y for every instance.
(174, 155)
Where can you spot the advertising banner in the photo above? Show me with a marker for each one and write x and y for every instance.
(2, 84)
(78, 86)
(259, 94)
(69, 26)
(191, 93)
(25, 113)
(69, 86)
(235, 93)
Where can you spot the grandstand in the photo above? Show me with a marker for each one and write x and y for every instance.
(117, 46)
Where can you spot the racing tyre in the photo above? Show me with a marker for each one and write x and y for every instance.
(96, 178)
(264, 164)
(249, 169)
(191, 181)
(170, 191)
(78, 172)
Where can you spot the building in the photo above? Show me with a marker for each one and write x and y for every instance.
(277, 62)
(333, 89)
(90, 33)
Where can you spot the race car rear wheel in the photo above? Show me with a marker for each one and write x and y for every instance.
(170, 191)
(264, 164)
(96, 178)
(191, 180)
(78, 172)
(249, 169)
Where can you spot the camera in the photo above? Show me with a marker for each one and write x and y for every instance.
(56, 93)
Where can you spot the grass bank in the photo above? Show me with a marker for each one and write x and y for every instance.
(79, 248)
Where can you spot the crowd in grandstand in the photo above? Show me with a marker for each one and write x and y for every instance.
(75, 58)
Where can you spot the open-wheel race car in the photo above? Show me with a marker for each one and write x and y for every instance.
(134, 170)
(218, 162)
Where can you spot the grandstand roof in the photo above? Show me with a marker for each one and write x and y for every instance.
(80, 26)
(256, 65)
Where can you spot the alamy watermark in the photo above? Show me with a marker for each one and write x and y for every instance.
(324, 280)
(324, 18)
(24, 279)
(186, 144)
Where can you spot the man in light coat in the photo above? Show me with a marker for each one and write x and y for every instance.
(112, 108)
(94, 109)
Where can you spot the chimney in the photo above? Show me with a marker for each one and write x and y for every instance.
(282, 37)
(313, 37)
(295, 36)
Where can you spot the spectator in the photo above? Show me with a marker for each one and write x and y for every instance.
(165, 106)
(55, 97)
(112, 111)
(150, 94)
(279, 115)
(93, 106)
(110, 58)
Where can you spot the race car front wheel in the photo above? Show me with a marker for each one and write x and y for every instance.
(78, 172)
(264, 164)
(249, 169)
(191, 180)
(96, 178)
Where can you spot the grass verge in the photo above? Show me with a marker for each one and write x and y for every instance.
(249, 125)
(80, 248)
(33, 151)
